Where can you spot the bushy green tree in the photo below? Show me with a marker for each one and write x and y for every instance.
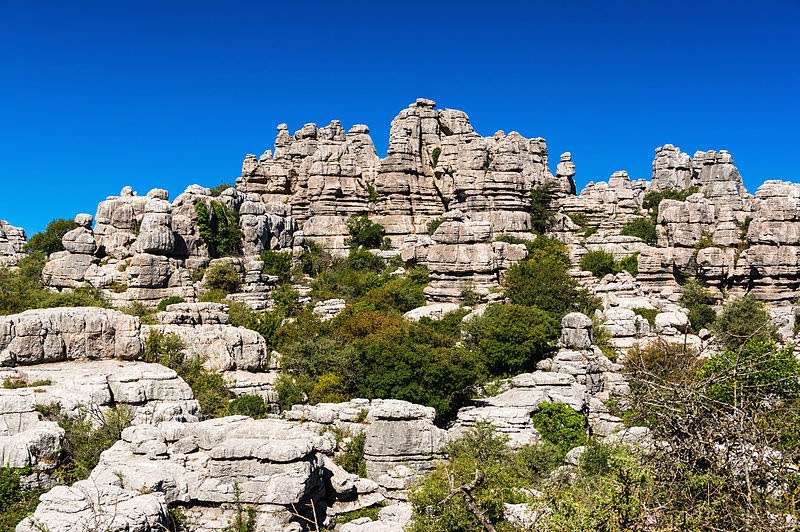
(512, 338)
(543, 281)
(599, 262)
(542, 213)
(248, 405)
(364, 233)
(698, 301)
(49, 241)
(222, 276)
(742, 320)
(219, 227)
(561, 426)
(167, 301)
(277, 263)
(642, 228)
(481, 474)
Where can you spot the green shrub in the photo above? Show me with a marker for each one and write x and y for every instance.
(599, 262)
(86, 437)
(542, 213)
(167, 301)
(560, 426)
(434, 224)
(222, 276)
(542, 281)
(217, 190)
(617, 499)
(314, 259)
(698, 301)
(647, 313)
(328, 388)
(277, 263)
(401, 294)
(22, 289)
(743, 320)
(145, 314)
(763, 373)
(437, 151)
(248, 405)
(287, 300)
(642, 228)
(219, 227)
(630, 264)
(512, 338)
(372, 193)
(479, 469)
(15, 503)
(364, 233)
(351, 459)
(264, 323)
(49, 241)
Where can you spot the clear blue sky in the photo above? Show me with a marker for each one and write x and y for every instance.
(99, 95)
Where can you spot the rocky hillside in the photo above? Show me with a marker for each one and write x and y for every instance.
(307, 347)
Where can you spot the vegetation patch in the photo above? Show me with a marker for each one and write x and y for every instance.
(642, 228)
(219, 227)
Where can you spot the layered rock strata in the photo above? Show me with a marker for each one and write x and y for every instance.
(12, 240)
(273, 466)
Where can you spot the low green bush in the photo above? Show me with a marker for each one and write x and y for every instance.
(167, 301)
(599, 262)
(642, 228)
(277, 263)
(22, 289)
(698, 301)
(560, 426)
(253, 406)
(647, 313)
(222, 276)
(743, 320)
(351, 459)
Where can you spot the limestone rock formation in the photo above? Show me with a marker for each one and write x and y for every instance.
(150, 392)
(324, 174)
(267, 464)
(58, 334)
(607, 206)
(462, 257)
(12, 240)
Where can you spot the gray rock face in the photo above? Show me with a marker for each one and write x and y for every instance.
(12, 239)
(323, 173)
(269, 464)
(461, 257)
(151, 392)
(576, 331)
(607, 205)
(401, 443)
(225, 348)
(85, 506)
(58, 334)
(435, 163)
